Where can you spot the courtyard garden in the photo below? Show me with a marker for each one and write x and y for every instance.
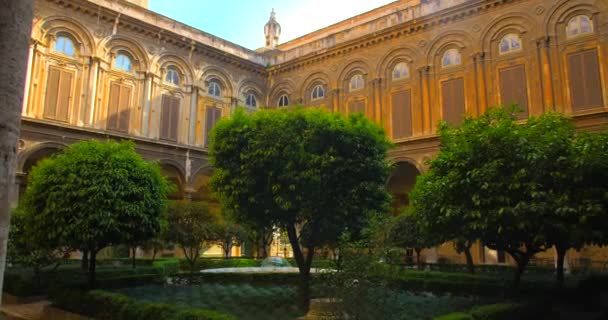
(320, 179)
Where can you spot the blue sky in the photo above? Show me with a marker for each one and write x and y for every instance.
(242, 21)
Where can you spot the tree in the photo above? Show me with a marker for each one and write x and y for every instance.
(312, 173)
(405, 233)
(500, 182)
(228, 234)
(15, 35)
(94, 194)
(191, 223)
(23, 252)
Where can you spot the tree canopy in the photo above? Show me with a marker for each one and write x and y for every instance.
(511, 185)
(91, 195)
(312, 173)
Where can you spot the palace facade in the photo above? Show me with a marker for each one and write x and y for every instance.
(111, 69)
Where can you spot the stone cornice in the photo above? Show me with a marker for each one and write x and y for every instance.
(244, 58)
(406, 28)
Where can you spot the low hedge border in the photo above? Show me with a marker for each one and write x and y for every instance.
(254, 278)
(102, 305)
(504, 311)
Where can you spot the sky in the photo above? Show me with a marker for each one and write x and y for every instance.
(242, 21)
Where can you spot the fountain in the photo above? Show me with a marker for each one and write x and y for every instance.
(269, 265)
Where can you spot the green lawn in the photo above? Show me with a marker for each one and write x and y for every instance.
(257, 302)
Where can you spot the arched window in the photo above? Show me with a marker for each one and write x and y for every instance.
(214, 89)
(509, 43)
(318, 92)
(451, 58)
(65, 46)
(172, 76)
(283, 101)
(122, 62)
(251, 101)
(356, 82)
(579, 25)
(401, 71)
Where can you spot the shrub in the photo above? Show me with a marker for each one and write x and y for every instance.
(167, 267)
(253, 278)
(455, 316)
(213, 263)
(103, 305)
(509, 311)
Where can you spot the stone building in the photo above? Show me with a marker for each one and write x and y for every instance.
(113, 69)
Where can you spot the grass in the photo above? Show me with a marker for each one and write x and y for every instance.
(278, 302)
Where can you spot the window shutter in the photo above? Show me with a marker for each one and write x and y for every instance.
(64, 97)
(514, 88)
(585, 81)
(209, 122)
(164, 116)
(114, 101)
(356, 106)
(125, 96)
(52, 91)
(174, 118)
(402, 114)
(452, 95)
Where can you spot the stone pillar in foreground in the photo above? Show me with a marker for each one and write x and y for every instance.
(15, 34)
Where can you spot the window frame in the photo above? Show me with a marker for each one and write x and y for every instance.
(318, 89)
(250, 96)
(283, 98)
(214, 84)
(176, 73)
(128, 57)
(510, 37)
(402, 77)
(62, 52)
(455, 60)
(578, 19)
(356, 79)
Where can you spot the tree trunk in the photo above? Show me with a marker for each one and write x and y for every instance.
(303, 267)
(15, 35)
(522, 260)
(133, 252)
(84, 262)
(561, 255)
(469, 257)
(418, 257)
(92, 265)
(153, 254)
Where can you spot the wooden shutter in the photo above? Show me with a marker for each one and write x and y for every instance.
(169, 117)
(402, 114)
(52, 90)
(165, 120)
(58, 94)
(452, 96)
(212, 115)
(125, 97)
(514, 88)
(114, 101)
(585, 82)
(356, 106)
(118, 107)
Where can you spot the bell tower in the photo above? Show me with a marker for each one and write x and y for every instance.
(272, 31)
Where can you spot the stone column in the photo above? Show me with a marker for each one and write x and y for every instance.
(544, 63)
(145, 121)
(19, 181)
(15, 35)
(480, 82)
(93, 79)
(335, 95)
(427, 123)
(193, 107)
(377, 85)
(28, 77)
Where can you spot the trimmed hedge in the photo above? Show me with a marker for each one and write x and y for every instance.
(102, 305)
(22, 283)
(455, 316)
(504, 311)
(254, 278)
(214, 263)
